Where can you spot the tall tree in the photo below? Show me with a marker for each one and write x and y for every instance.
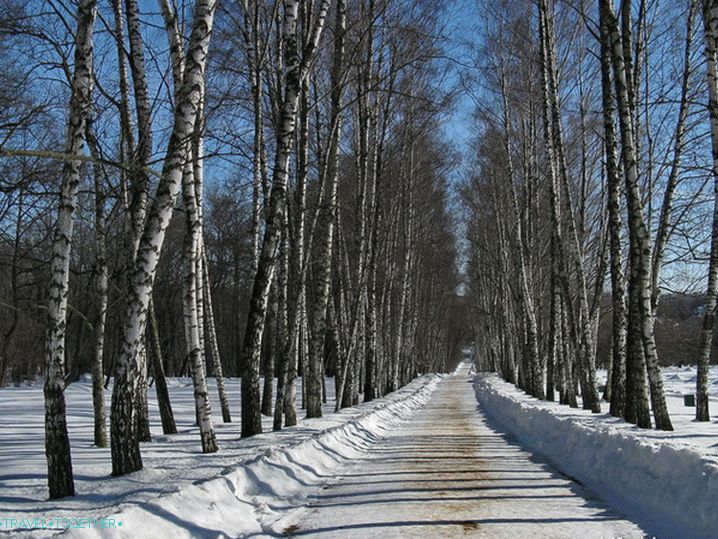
(328, 218)
(296, 69)
(126, 456)
(640, 323)
(618, 296)
(710, 28)
(57, 443)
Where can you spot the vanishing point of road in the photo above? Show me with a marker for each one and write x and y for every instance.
(445, 472)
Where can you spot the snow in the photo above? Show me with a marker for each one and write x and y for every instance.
(665, 480)
(182, 492)
(423, 461)
(444, 472)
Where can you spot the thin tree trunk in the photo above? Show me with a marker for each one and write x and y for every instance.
(710, 25)
(214, 344)
(57, 443)
(296, 71)
(535, 386)
(140, 183)
(664, 223)
(617, 381)
(163, 396)
(324, 263)
(102, 290)
(14, 270)
(640, 274)
(272, 345)
(283, 348)
(580, 323)
(192, 287)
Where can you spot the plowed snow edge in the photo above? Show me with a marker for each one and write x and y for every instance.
(256, 495)
(672, 489)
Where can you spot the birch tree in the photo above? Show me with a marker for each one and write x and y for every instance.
(125, 444)
(640, 310)
(618, 342)
(328, 217)
(57, 443)
(710, 29)
(296, 69)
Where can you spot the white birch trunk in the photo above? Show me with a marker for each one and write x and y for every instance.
(710, 25)
(214, 345)
(296, 71)
(125, 447)
(57, 443)
(640, 280)
(191, 301)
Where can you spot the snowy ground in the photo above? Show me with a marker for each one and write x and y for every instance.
(679, 381)
(422, 462)
(171, 463)
(445, 472)
(426, 461)
(668, 479)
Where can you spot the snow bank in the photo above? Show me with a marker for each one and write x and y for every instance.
(672, 488)
(254, 495)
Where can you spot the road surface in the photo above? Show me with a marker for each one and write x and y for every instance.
(446, 473)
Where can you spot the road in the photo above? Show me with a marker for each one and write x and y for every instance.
(446, 473)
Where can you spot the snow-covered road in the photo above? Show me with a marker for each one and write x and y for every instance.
(444, 473)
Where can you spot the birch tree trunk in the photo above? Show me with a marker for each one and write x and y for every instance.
(57, 443)
(124, 443)
(143, 151)
(214, 344)
(102, 290)
(618, 296)
(296, 71)
(283, 349)
(324, 262)
(203, 315)
(163, 396)
(664, 224)
(556, 167)
(535, 386)
(581, 322)
(407, 231)
(286, 398)
(140, 182)
(710, 26)
(640, 272)
(255, 61)
(271, 342)
(193, 328)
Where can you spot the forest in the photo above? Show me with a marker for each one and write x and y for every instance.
(320, 202)
(592, 192)
(235, 188)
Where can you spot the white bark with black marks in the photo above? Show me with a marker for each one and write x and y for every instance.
(613, 181)
(641, 321)
(710, 25)
(57, 444)
(296, 71)
(125, 445)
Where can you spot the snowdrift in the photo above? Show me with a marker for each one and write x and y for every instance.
(669, 488)
(258, 495)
